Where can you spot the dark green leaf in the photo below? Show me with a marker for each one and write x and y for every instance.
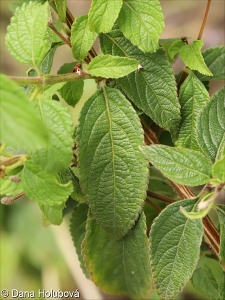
(113, 171)
(21, 126)
(77, 231)
(72, 92)
(184, 166)
(119, 267)
(152, 88)
(211, 126)
(175, 246)
(144, 23)
(193, 96)
(206, 278)
(221, 215)
(103, 14)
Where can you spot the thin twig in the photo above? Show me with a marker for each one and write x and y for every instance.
(51, 79)
(159, 209)
(160, 197)
(204, 20)
(62, 37)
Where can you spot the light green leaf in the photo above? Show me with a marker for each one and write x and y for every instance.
(175, 48)
(218, 169)
(42, 187)
(53, 213)
(72, 92)
(82, 38)
(103, 14)
(8, 187)
(221, 215)
(109, 66)
(119, 267)
(77, 231)
(192, 57)
(184, 166)
(206, 278)
(108, 138)
(144, 23)
(174, 248)
(211, 126)
(193, 96)
(21, 126)
(28, 37)
(152, 88)
(215, 61)
(58, 155)
(61, 9)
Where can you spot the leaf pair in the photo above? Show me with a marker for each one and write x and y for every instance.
(144, 20)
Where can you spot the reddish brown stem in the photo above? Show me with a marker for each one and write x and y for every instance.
(160, 197)
(204, 20)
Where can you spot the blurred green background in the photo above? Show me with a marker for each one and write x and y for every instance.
(33, 256)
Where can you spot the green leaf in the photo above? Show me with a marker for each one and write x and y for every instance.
(61, 9)
(42, 187)
(192, 57)
(211, 126)
(77, 231)
(8, 187)
(72, 92)
(167, 43)
(54, 214)
(193, 96)
(27, 36)
(108, 137)
(222, 286)
(21, 126)
(82, 38)
(119, 267)
(174, 248)
(68, 175)
(152, 88)
(103, 14)
(215, 61)
(144, 23)
(206, 278)
(218, 169)
(58, 155)
(46, 64)
(221, 215)
(109, 66)
(159, 184)
(175, 48)
(184, 166)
